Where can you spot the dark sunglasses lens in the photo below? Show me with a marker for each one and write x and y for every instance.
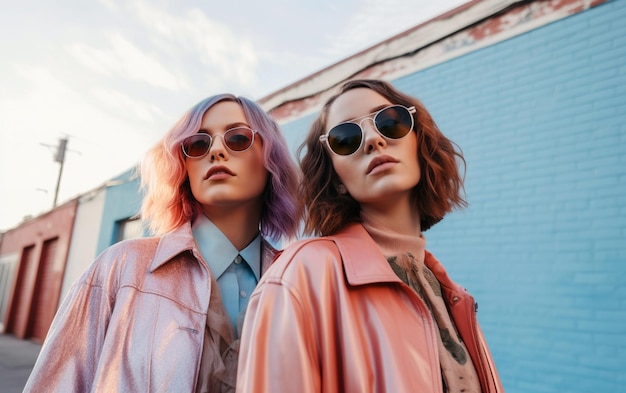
(394, 122)
(344, 139)
(238, 139)
(197, 145)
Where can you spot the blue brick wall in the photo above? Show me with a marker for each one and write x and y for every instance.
(541, 119)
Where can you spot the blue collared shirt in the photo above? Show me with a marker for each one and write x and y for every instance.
(236, 279)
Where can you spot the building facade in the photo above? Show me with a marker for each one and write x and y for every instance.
(41, 258)
(33, 262)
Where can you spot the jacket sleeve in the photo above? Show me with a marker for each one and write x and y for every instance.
(69, 356)
(278, 350)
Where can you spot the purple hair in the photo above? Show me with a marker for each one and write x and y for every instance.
(168, 202)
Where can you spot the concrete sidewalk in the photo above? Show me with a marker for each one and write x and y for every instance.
(17, 358)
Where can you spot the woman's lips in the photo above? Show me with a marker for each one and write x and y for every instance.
(380, 163)
(218, 173)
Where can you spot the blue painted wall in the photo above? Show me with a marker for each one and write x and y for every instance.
(541, 119)
(122, 201)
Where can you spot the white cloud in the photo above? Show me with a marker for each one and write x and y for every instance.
(41, 77)
(97, 60)
(122, 58)
(111, 5)
(117, 100)
(375, 20)
(227, 55)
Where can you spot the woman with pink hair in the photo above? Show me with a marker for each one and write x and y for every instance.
(164, 313)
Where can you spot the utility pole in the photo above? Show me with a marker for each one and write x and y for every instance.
(60, 158)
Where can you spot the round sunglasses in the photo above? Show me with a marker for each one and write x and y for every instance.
(392, 122)
(236, 139)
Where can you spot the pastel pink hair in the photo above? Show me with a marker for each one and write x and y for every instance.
(168, 202)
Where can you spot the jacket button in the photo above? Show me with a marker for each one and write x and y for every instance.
(455, 299)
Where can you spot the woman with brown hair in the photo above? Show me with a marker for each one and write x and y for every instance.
(364, 307)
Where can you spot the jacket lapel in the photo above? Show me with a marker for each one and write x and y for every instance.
(173, 244)
(363, 262)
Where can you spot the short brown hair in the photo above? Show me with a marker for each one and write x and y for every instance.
(439, 191)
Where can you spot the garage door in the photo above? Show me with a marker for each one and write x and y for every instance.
(44, 300)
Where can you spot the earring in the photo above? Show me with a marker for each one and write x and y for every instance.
(342, 189)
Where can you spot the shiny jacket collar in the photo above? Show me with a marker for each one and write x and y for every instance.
(181, 239)
(354, 251)
(174, 243)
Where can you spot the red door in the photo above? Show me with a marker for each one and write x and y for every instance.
(17, 321)
(45, 299)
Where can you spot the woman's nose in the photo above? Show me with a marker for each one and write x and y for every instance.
(372, 139)
(217, 148)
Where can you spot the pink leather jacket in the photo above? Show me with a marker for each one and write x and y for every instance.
(330, 315)
(134, 321)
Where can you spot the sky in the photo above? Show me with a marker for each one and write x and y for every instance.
(112, 76)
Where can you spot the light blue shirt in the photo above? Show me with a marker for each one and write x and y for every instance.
(236, 278)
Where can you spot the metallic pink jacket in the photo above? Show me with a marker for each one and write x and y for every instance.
(134, 321)
(331, 316)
